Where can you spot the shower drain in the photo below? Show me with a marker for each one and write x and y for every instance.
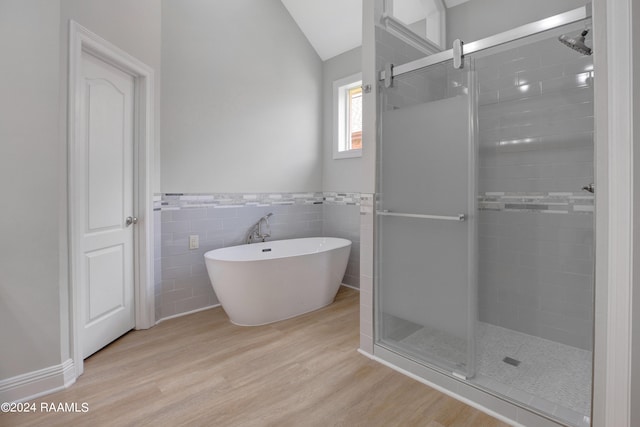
(511, 361)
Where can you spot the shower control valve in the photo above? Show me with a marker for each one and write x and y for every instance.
(591, 188)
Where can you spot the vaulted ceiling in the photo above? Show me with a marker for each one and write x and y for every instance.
(333, 26)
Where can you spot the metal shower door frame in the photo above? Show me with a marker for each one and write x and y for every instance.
(517, 33)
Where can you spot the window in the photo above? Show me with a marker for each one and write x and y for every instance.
(347, 104)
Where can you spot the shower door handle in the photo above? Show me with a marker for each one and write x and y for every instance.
(459, 217)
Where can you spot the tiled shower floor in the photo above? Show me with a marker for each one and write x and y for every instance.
(551, 377)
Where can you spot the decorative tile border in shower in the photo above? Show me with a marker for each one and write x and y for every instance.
(333, 198)
(174, 201)
(548, 202)
(366, 203)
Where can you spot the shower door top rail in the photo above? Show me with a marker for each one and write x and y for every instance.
(495, 40)
(459, 217)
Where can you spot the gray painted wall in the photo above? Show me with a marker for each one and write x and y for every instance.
(477, 19)
(29, 289)
(34, 302)
(338, 174)
(635, 332)
(242, 116)
(133, 26)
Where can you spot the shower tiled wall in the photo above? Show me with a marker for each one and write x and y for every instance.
(220, 220)
(535, 133)
(536, 274)
(535, 119)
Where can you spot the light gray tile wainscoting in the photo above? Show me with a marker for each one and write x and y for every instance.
(157, 255)
(366, 272)
(221, 220)
(341, 218)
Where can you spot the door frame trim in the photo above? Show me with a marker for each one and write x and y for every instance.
(82, 41)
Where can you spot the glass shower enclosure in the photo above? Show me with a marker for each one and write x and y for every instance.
(426, 237)
(484, 236)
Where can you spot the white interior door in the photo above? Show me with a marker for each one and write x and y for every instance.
(105, 201)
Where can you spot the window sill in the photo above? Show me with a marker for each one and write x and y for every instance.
(347, 154)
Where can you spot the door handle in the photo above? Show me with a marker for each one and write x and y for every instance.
(131, 220)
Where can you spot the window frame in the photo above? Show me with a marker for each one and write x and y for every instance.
(340, 115)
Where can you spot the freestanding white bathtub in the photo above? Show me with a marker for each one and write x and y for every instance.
(266, 282)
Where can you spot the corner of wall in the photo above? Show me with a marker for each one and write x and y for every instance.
(38, 383)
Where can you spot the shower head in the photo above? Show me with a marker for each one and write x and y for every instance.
(576, 44)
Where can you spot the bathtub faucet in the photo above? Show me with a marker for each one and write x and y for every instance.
(259, 232)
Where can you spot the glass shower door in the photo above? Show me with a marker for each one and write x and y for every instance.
(535, 223)
(426, 219)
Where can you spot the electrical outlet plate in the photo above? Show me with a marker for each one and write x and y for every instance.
(194, 241)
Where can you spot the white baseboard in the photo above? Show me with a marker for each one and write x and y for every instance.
(367, 354)
(349, 286)
(37, 383)
(187, 312)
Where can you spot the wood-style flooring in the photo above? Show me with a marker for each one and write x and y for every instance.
(200, 370)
